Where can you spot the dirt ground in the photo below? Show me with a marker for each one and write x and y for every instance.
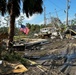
(56, 46)
(52, 57)
(50, 47)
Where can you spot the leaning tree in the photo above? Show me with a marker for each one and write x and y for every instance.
(13, 7)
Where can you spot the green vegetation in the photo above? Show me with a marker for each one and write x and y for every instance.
(14, 57)
(13, 9)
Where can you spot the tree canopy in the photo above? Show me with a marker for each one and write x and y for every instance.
(13, 7)
(29, 7)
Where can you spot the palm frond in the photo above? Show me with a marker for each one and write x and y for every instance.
(32, 6)
(14, 5)
(3, 7)
(38, 6)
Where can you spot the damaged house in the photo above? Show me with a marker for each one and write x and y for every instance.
(71, 32)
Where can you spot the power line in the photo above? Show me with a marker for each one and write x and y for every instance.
(55, 12)
(61, 15)
(62, 2)
(58, 11)
(55, 4)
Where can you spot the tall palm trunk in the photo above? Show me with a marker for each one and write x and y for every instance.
(12, 23)
(11, 29)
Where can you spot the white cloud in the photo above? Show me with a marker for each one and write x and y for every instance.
(26, 18)
(32, 20)
(31, 17)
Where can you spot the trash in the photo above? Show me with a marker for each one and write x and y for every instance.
(0, 61)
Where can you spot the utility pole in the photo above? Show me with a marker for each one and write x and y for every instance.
(44, 16)
(67, 8)
(57, 18)
(56, 13)
(50, 16)
(0, 22)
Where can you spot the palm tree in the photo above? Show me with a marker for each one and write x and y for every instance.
(30, 7)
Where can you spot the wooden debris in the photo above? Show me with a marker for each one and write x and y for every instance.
(19, 69)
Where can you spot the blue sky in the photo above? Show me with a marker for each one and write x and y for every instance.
(60, 6)
(51, 5)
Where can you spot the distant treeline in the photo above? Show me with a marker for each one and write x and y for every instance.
(34, 28)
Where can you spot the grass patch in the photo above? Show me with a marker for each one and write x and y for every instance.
(15, 57)
(19, 37)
